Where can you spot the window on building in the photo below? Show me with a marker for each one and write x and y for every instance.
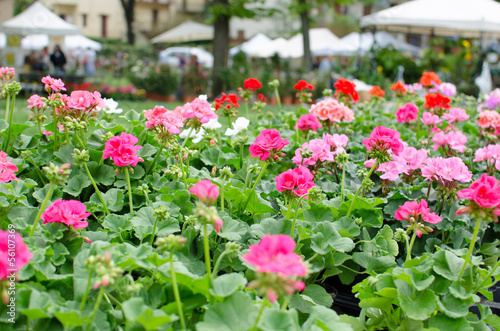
(155, 17)
(414, 39)
(84, 19)
(104, 26)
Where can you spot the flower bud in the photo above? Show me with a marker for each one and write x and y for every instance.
(80, 157)
(225, 173)
(170, 242)
(57, 175)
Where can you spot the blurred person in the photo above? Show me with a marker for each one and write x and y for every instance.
(58, 59)
(90, 57)
(45, 59)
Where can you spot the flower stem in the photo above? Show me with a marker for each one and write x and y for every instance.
(284, 306)
(11, 114)
(361, 187)
(79, 140)
(343, 184)
(84, 299)
(264, 303)
(7, 109)
(152, 165)
(295, 217)
(246, 109)
(471, 247)
(206, 248)
(254, 186)
(154, 231)
(445, 197)
(44, 203)
(410, 247)
(429, 189)
(176, 290)
(96, 306)
(182, 169)
(278, 100)
(217, 264)
(241, 156)
(487, 276)
(130, 201)
(222, 195)
(96, 188)
(187, 138)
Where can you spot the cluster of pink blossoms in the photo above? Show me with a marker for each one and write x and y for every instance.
(199, 109)
(52, 84)
(454, 140)
(323, 150)
(455, 115)
(295, 182)
(484, 197)
(268, 144)
(429, 119)
(122, 150)
(69, 212)
(308, 122)
(446, 171)
(332, 110)
(160, 116)
(274, 255)
(208, 193)
(410, 211)
(384, 140)
(489, 119)
(407, 163)
(22, 254)
(7, 169)
(407, 113)
(490, 154)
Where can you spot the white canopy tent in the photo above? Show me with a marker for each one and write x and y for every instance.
(38, 19)
(254, 46)
(320, 38)
(468, 18)
(355, 43)
(39, 41)
(185, 32)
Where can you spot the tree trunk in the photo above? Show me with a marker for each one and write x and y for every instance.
(304, 19)
(221, 48)
(128, 8)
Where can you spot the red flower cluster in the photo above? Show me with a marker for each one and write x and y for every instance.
(437, 101)
(347, 88)
(231, 101)
(376, 91)
(430, 79)
(268, 143)
(399, 88)
(303, 85)
(252, 84)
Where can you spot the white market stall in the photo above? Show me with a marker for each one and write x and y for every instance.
(254, 46)
(186, 32)
(319, 38)
(467, 18)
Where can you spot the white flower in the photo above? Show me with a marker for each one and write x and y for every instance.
(203, 97)
(196, 136)
(240, 124)
(212, 124)
(111, 106)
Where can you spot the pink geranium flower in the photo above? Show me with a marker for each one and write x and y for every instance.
(199, 108)
(275, 254)
(490, 153)
(454, 140)
(446, 170)
(407, 113)
(337, 142)
(52, 84)
(122, 150)
(12, 243)
(456, 115)
(321, 152)
(384, 139)
(489, 119)
(410, 211)
(205, 191)
(69, 212)
(308, 122)
(296, 182)
(7, 169)
(430, 119)
(7, 73)
(35, 101)
(484, 195)
(333, 110)
(158, 116)
(268, 144)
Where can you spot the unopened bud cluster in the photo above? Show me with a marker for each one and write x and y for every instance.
(80, 157)
(57, 175)
(105, 269)
(253, 169)
(169, 243)
(315, 194)
(225, 173)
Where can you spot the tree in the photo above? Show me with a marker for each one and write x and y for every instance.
(21, 5)
(128, 9)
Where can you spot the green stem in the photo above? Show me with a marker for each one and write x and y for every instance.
(83, 138)
(487, 277)
(44, 203)
(79, 140)
(254, 186)
(410, 247)
(295, 217)
(56, 133)
(284, 306)
(187, 138)
(217, 264)
(246, 109)
(471, 247)
(96, 188)
(39, 126)
(312, 257)
(264, 303)
(343, 185)
(182, 169)
(152, 165)
(222, 195)
(96, 306)
(11, 114)
(66, 134)
(241, 156)
(7, 109)
(361, 187)
(38, 172)
(278, 100)
(229, 121)
(130, 201)
(84, 299)
(206, 248)
(176, 290)
(246, 181)
(154, 231)
(418, 120)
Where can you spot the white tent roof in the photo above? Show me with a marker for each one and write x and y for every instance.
(274, 47)
(254, 46)
(187, 31)
(356, 42)
(440, 17)
(38, 19)
(39, 41)
(319, 38)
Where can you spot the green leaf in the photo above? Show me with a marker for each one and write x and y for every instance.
(346, 227)
(443, 322)
(313, 295)
(225, 285)
(318, 213)
(77, 184)
(447, 264)
(236, 313)
(72, 319)
(326, 238)
(117, 224)
(325, 319)
(271, 226)
(132, 117)
(133, 308)
(153, 319)
(215, 157)
(103, 174)
(416, 305)
(277, 320)
(114, 199)
(64, 154)
(232, 229)
(453, 307)
(147, 150)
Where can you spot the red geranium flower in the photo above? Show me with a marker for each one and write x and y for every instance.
(252, 84)
(346, 87)
(231, 100)
(398, 87)
(437, 101)
(376, 91)
(301, 85)
(430, 79)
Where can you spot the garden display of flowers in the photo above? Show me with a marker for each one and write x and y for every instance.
(178, 219)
